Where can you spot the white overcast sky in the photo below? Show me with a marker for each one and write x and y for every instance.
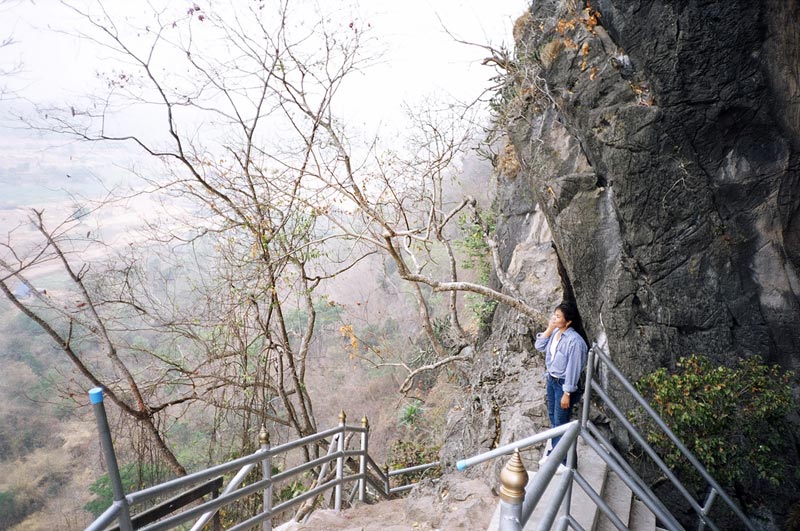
(419, 58)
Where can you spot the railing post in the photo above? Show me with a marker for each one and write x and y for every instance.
(572, 464)
(712, 495)
(266, 469)
(96, 398)
(513, 479)
(588, 387)
(362, 469)
(340, 463)
(216, 524)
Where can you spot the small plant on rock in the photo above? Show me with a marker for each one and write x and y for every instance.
(417, 447)
(406, 453)
(477, 255)
(410, 414)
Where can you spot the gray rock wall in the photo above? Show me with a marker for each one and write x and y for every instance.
(660, 141)
(662, 145)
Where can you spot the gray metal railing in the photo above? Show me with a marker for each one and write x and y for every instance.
(368, 473)
(516, 507)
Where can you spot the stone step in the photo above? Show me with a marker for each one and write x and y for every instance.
(618, 496)
(642, 518)
(594, 471)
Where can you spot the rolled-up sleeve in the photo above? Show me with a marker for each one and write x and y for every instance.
(576, 360)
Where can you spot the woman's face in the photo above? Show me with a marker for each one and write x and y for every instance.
(558, 320)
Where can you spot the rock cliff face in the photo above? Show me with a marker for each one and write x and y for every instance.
(660, 141)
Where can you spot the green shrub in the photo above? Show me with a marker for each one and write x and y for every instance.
(731, 418)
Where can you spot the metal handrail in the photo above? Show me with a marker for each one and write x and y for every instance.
(701, 511)
(236, 464)
(232, 485)
(608, 449)
(371, 462)
(409, 470)
(540, 482)
(517, 514)
(549, 517)
(599, 501)
(169, 506)
(173, 485)
(639, 488)
(649, 450)
(514, 516)
(119, 510)
(508, 448)
(107, 517)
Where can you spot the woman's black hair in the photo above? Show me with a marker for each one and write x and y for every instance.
(570, 312)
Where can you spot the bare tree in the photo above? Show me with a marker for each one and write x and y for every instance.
(399, 204)
(8, 68)
(239, 107)
(235, 153)
(79, 323)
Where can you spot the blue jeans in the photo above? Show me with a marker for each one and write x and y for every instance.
(558, 416)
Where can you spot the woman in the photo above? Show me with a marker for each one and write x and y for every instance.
(565, 358)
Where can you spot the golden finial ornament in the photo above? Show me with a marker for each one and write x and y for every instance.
(513, 479)
(342, 417)
(365, 422)
(263, 436)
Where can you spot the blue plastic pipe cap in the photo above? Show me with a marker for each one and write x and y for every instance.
(461, 465)
(96, 395)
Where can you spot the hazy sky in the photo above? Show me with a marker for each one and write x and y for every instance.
(418, 58)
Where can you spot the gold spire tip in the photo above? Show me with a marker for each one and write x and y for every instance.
(513, 479)
(263, 436)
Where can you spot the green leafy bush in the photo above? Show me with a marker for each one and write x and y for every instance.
(730, 418)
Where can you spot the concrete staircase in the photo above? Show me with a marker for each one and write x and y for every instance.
(633, 513)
